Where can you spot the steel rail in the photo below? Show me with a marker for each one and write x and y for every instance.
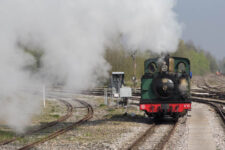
(50, 124)
(218, 102)
(143, 137)
(164, 140)
(88, 116)
(217, 106)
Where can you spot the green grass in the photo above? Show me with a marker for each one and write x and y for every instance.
(102, 105)
(5, 135)
(111, 109)
(55, 116)
(49, 113)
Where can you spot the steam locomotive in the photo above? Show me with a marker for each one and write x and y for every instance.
(165, 87)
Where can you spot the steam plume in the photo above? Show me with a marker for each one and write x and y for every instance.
(50, 41)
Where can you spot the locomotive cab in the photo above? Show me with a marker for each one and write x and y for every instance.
(165, 86)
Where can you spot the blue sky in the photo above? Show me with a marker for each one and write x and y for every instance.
(204, 24)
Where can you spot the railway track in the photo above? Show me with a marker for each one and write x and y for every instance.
(50, 124)
(217, 104)
(166, 137)
(210, 97)
(95, 91)
(149, 134)
(142, 138)
(88, 116)
(216, 90)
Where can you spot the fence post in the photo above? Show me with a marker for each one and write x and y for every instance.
(44, 99)
(105, 96)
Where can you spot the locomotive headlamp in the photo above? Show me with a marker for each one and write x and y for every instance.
(164, 68)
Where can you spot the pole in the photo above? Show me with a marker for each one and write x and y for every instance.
(44, 100)
(106, 96)
(133, 55)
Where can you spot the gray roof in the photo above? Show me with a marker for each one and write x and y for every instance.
(117, 72)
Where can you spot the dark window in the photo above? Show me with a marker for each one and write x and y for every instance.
(181, 67)
(152, 67)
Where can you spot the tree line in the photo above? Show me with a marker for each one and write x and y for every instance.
(202, 62)
(120, 59)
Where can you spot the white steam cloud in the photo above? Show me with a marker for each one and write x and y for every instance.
(71, 36)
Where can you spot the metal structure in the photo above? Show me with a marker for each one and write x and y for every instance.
(133, 56)
(119, 91)
(117, 81)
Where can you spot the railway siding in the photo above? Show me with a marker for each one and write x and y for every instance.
(47, 116)
(53, 135)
